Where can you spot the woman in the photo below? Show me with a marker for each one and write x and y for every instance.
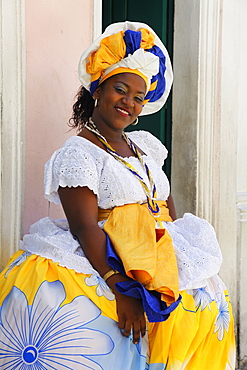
(120, 286)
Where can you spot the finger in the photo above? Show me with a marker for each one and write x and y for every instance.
(121, 322)
(136, 332)
(127, 329)
(143, 327)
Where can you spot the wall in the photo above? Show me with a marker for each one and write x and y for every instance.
(185, 97)
(56, 35)
(12, 122)
(240, 32)
(209, 173)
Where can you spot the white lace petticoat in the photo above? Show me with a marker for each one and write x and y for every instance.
(194, 240)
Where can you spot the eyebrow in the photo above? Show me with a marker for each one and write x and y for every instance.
(138, 92)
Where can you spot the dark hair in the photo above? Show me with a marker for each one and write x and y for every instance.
(82, 109)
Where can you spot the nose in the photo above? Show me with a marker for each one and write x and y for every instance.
(128, 100)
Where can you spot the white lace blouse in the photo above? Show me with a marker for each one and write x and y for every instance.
(81, 163)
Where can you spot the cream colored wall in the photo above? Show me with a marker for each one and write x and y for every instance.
(12, 122)
(239, 65)
(57, 32)
(209, 168)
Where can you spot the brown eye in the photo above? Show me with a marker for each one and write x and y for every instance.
(120, 90)
(139, 99)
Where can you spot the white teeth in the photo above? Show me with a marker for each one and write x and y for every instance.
(121, 110)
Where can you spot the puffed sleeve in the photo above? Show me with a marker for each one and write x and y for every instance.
(150, 145)
(70, 166)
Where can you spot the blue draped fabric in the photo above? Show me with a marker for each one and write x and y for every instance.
(132, 41)
(161, 85)
(156, 309)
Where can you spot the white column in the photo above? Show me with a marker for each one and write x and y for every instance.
(209, 174)
(207, 108)
(12, 68)
(185, 105)
(204, 133)
(195, 105)
(239, 73)
(242, 275)
(97, 18)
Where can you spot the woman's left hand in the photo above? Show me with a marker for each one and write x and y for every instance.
(131, 318)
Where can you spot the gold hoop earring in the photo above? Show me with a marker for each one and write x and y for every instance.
(95, 103)
(135, 122)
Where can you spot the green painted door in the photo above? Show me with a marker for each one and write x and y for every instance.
(159, 15)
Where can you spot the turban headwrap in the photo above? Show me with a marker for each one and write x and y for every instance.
(131, 47)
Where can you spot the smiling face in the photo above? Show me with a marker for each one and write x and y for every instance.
(120, 100)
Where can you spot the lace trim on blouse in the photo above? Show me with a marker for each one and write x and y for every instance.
(81, 163)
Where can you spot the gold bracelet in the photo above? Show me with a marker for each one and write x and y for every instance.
(110, 273)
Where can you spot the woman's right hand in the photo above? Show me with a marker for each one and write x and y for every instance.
(131, 318)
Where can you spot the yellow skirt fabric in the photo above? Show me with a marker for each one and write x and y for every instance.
(52, 317)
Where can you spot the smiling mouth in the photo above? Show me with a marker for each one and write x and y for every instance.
(123, 112)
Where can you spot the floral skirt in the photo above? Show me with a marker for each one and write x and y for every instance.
(52, 317)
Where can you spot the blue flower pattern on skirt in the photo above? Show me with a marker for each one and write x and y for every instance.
(223, 318)
(202, 298)
(102, 289)
(47, 335)
(17, 262)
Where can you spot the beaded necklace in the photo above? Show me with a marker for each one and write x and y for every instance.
(150, 194)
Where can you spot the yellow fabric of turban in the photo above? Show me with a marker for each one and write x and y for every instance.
(147, 39)
(112, 49)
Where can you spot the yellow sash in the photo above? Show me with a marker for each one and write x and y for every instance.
(147, 253)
